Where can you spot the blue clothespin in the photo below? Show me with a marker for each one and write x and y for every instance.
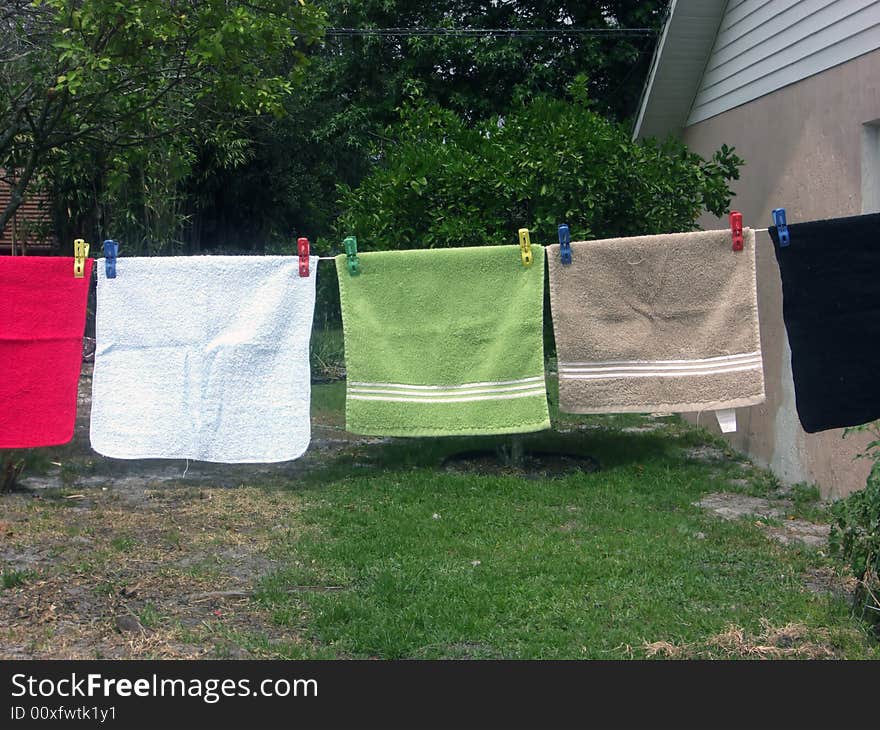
(564, 245)
(111, 250)
(781, 226)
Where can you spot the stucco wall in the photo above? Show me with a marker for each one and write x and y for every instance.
(803, 151)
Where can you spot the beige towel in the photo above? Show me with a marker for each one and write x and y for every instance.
(657, 323)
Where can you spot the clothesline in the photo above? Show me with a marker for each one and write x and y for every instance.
(455, 374)
(471, 32)
(332, 258)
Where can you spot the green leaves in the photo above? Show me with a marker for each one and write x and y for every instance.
(112, 82)
(442, 182)
(855, 533)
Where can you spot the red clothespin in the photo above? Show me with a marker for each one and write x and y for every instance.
(736, 229)
(302, 246)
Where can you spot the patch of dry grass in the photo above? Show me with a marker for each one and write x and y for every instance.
(165, 559)
(792, 641)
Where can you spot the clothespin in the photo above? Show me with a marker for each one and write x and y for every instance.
(302, 247)
(111, 251)
(781, 226)
(564, 245)
(525, 246)
(80, 253)
(736, 229)
(351, 250)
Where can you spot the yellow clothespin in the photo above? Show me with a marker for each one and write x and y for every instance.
(525, 246)
(80, 253)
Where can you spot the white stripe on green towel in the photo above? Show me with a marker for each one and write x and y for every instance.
(454, 399)
(448, 387)
(464, 392)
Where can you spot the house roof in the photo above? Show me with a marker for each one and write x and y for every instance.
(677, 69)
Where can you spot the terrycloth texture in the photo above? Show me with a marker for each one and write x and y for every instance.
(657, 323)
(830, 286)
(444, 341)
(203, 357)
(41, 331)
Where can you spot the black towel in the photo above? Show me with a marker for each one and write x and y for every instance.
(831, 306)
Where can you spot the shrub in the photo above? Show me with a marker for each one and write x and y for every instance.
(855, 533)
(441, 182)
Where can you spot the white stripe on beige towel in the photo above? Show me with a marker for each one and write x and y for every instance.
(696, 367)
(657, 374)
(707, 360)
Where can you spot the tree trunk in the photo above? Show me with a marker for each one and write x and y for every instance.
(16, 197)
(517, 451)
(48, 120)
(10, 471)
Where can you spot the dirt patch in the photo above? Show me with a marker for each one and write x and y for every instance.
(705, 454)
(826, 581)
(732, 506)
(789, 531)
(794, 532)
(150, 558)
(793, 641)
(535, 465)
(116, 579)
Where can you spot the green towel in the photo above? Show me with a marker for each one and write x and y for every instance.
(444, 342)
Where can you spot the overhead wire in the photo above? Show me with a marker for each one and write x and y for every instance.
(476, 32)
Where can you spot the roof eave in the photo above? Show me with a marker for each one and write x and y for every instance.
(677, 67)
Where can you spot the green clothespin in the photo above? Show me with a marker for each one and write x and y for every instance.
(351, 250)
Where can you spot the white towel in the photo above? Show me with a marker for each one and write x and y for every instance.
(203, 357)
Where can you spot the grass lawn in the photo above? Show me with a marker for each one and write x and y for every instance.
(374, 548)
(430, 563)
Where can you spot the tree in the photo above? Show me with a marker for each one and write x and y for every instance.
(103, 80)
(478, 75)
(443, 182)
(355, 84)
(230, 130)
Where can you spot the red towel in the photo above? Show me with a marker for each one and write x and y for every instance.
(42, 319)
